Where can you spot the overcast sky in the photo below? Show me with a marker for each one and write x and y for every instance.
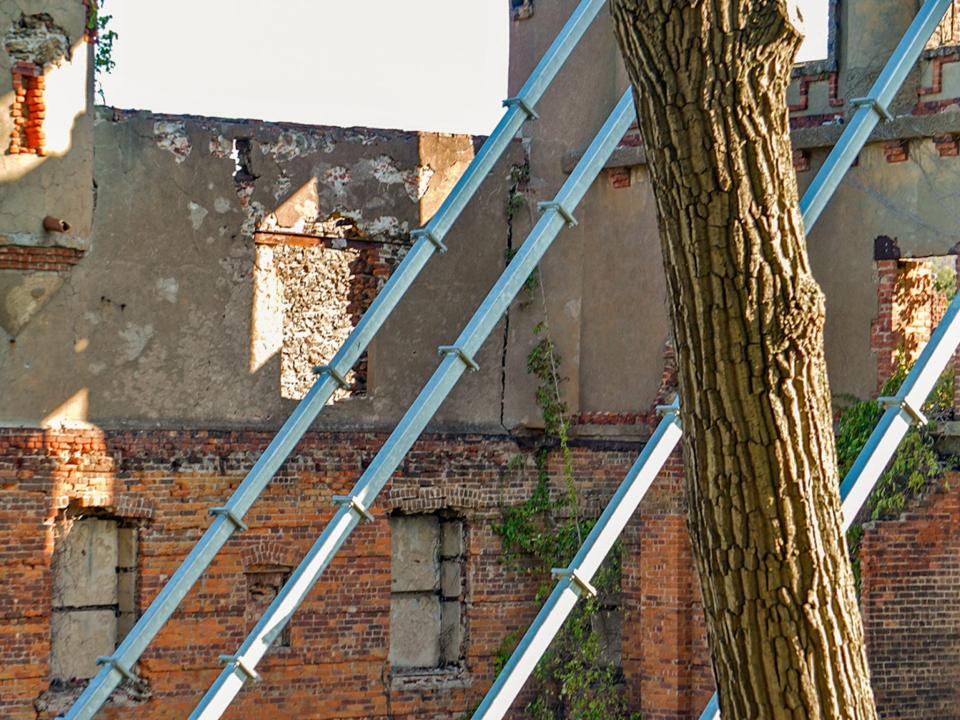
(411, 64)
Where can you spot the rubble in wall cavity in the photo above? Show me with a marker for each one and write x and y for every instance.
(37, 39)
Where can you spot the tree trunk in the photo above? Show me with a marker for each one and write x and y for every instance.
(710, 79)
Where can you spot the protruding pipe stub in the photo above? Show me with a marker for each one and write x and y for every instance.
(54, 224)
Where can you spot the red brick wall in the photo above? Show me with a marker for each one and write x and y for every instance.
(337, 665)
(911, 608)
(23, 257)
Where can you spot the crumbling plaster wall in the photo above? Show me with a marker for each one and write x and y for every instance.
(34, 262)
(65, 176)
(155, 326)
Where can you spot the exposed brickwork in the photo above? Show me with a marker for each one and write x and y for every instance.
(166, 481)
(908, 309)
(896, 151)
(619, 177)
(801, 160)
(28, 110)
(911, 581)
(51, 259)
(947, 145)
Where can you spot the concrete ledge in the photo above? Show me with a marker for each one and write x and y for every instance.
(905, 127)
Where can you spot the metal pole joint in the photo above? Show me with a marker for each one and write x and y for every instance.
(521, 103)
(334, 373)
(671, 407)
(916, 415)
(575, 579)
(355, 505)
(461, 353)
(564, 212)
(242, 665)
(431, 238)
(874, 104)
(115, 664)
(230, 515)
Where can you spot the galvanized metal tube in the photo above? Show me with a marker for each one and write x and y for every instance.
(865, 119)
(565, 594)
(160, 610)
(457, 357)
(903, 412)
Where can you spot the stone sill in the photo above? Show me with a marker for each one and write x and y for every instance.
(447, 678)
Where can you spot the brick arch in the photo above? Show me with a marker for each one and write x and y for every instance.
(263, 551)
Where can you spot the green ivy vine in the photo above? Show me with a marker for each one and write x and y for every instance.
(575, 679)
(98, 27)
(916, 465)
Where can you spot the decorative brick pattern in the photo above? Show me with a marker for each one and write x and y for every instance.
(803, 88)
(49, 259)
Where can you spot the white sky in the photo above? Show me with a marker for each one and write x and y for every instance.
(411, 64)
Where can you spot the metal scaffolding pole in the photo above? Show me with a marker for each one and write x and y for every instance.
(557, 214)
(575, 579)
(870, 110)
(229, 518)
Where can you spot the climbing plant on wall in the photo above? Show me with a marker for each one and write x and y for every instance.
(102, 36)
(916, 465)
(576, 678)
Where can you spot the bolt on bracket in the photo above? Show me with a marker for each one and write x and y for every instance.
(915, 413)
(523, 105)
(355, 505)
(575, 578)
(242, 665)
(230, 515)
(554, 205)
(334, 373)
(433, 239)
(879, 109)
(115, 664)
(459, 352)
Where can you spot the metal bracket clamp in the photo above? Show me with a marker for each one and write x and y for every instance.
(576, 578)
(230, 515)
(892, 401)
(873, 103)
(554, 205)
(434, 240)
(355, 505)
(672, 407)
(334, 373)
(241, 665)
(115, 664)
(522, 104)
(458, 351)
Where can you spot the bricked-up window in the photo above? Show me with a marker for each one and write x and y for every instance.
(263, 585)
(427, 592)
(94, 571)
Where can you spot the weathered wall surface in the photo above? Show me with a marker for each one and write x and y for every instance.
(162, 483)
(180, 312)
(42, 42)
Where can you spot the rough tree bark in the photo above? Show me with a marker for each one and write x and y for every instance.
(784, 630)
